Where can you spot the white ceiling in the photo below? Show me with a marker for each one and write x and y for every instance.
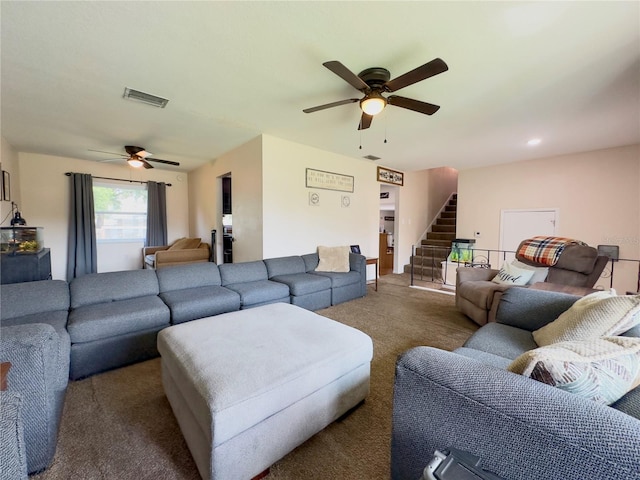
(566, 72)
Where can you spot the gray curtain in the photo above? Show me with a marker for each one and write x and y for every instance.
(156, 214)
(82, 253)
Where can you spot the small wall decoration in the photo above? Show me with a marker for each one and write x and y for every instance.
(329, 180)
(384, 195)
(346, 201)
(390, 176)
(6, 186)
(314, 199)
(355, 249)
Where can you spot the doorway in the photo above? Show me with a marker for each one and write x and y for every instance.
(387, 228)
(227, 220)
(517, 225)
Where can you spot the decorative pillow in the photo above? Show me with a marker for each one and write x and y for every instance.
(511, 275)
(603, 369)
(185, 244)
(539, 273)
(596, 315)
(333, 259)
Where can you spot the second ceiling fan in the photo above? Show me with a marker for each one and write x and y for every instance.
(373, 82)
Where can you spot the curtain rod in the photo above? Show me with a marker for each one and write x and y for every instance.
(68, 174)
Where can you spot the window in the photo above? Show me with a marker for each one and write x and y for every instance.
(121, 212)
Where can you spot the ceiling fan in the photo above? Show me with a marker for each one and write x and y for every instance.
(137, 157)
(373, 82)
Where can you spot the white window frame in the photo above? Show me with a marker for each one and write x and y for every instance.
(121, 186)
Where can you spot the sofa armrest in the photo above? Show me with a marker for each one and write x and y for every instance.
(471, 274)
(531, 309)
(13, 452)
(521, 429)
(358, 263)
(152, 250)
(40, 380)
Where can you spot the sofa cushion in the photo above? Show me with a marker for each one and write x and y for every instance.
(310, 261)
(339, 279)
(20, 299)
(58, 320)
(232, 273)
(185, 244)
(112, 286)
(260, 292)
(333, 259)
(602, 369)
(484, 357)
(531, 309)
(503, 340)
(304, 283)
(192, 275)
(93, 322)
(284, 266)
(200, 302)
(592, 316)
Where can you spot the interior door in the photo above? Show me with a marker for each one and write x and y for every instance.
(516, 225)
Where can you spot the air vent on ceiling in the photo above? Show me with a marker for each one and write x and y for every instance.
(138, 96)
(371, 157)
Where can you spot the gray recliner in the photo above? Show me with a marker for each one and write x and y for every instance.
(477, 295)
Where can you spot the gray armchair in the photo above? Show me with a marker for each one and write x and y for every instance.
(520, 428)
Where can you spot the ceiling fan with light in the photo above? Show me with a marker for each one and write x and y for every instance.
(373, 82)
(137, 157)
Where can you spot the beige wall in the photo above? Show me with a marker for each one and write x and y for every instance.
(597, 194)
(9, 163)
(291, 225)
(205, 200)
(45, 203)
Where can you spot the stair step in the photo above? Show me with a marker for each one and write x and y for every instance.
(444, 228)
(448, 215)
(437, 243)
(425, 272)
(446, 221)
(432, 252)
(450, 236)
(427, 261)
(450, 208)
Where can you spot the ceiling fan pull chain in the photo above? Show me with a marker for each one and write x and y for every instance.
(360, 131)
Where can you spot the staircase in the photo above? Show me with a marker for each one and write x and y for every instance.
(436, 247)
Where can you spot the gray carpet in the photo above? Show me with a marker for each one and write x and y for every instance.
(119, 425)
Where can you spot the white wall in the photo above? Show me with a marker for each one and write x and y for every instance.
(597, 194)
(291, 225)
(9, 163)
(205, 200)
(45, 203)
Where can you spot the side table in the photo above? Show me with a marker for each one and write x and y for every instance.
(373, 261)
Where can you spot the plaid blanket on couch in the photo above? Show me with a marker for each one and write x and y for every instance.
(545, 250)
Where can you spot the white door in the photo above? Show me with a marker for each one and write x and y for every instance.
(517, 225)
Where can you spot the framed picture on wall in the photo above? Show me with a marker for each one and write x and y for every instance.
(393, 177)
(355, 249)
(6, 186)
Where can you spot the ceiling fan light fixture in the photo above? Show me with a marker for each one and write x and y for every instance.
(373, 103)
(135, 162)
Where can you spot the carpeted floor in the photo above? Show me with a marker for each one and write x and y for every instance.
(119, 425)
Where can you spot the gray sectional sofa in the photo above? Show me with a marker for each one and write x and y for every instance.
(53, 331)
(520, 428)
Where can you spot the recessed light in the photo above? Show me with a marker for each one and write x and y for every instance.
(533, 142)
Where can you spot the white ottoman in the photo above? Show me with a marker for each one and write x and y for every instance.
(248, 387)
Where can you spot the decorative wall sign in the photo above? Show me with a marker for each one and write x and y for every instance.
(390, 176)
(329, 180)
(384, 195)
(314, 199)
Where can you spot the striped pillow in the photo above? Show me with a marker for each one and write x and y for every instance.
(602, 370)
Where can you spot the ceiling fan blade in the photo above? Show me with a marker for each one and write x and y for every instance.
(145, 164)
(329, 105)
(365, 121)
(415, 105)
(159, 160)
(347, 75)
(434, 67)
(110, 153)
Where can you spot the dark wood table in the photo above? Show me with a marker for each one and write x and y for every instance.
(373, 261)
(556, 287)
